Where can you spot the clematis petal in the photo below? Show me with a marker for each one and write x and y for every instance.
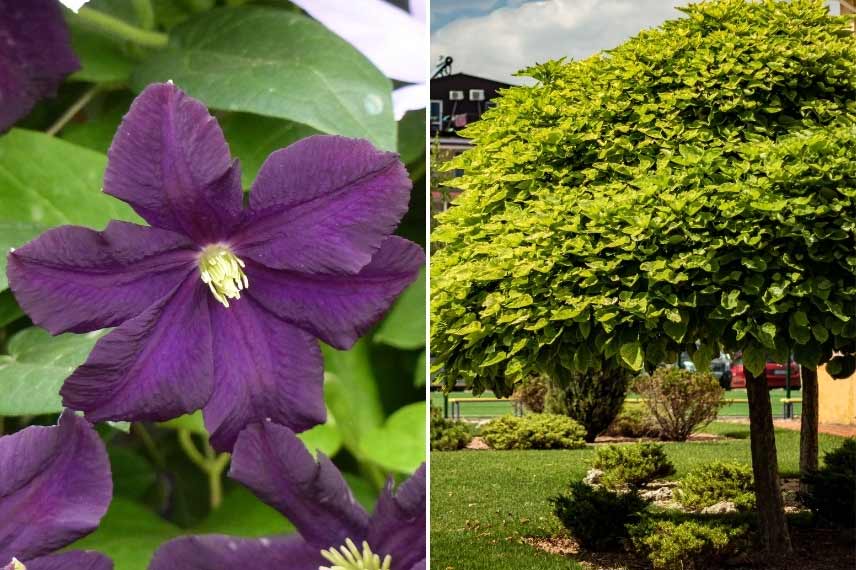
(170, 162)
(420, 565)
(264, 368)
(323, 204)
(409, 98)
(397, 526)
(156, 366)
(55, 486)
(218, 552)
(338, 309)
(35, 58)
(389, 37)
(75, 279)
(72, 560)
(275, 465)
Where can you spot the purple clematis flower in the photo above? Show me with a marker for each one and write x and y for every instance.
(55, 486)
(216, 305)
(35, 55)
(335, 531)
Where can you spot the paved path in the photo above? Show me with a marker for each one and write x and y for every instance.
(831, 429)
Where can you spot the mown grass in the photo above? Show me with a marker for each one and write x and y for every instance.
(482, 502)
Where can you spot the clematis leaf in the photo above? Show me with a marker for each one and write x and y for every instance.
(252, 138)
(278, 64)
(35, 368)
(9, 309)
(102, 60)
(404, 326)
(399, 445)
(243, 514)
(46, 182)
(129, 534)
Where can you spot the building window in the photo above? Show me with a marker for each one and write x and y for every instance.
(436, 115)
(476, 94)
(456, 95)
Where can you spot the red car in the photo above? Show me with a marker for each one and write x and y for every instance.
(775, 373)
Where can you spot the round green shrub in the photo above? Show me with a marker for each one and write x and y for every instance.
(633, 421)
(716, 482)
(591, 398)
(633, 465)
(696, 183)
(448, 435)
(534, 431)
(832, 489)
(680, 401)
(688, 545)
(597, 517)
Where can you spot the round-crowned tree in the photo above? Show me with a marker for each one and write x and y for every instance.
(693, 189)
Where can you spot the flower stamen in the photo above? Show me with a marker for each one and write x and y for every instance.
(348, 557)
(15, 564)
(222, 271)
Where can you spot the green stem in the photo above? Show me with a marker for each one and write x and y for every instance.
(145, 13)
(375, 474)
(121, 29)
(210, 462)
(75, 108)
(141, 432)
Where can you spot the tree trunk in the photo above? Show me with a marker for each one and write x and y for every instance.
(773, 526)
(808, 425)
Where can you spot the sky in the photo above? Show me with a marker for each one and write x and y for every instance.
(495, 38)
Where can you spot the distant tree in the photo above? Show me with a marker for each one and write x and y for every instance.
(692, 189)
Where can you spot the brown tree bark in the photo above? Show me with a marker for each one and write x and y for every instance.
(773, 527)
(808, 425)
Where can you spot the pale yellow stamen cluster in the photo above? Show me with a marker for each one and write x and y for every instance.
(348, 557)
(16, 564)
(223, 272)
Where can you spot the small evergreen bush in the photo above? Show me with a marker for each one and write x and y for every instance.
(597, 517)
(634, 465)
(716, 482)
(688, 545)
(679, 400)
(448, 435)
(832, 489)
(633, 421)
(591, 398)
(534, 431)
(532, 393)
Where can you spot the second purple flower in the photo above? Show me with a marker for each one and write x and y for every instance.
(218, 305)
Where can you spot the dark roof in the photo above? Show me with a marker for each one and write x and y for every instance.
(458, 76)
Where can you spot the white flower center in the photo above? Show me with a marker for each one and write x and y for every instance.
(223, 272)
(348, 557)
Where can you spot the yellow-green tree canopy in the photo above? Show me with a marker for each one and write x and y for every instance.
(697, 183)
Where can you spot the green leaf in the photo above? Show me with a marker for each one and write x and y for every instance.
(404, 326)
(632, 355)
(798, 328)
(325, 438)
(399, 445)
(278, 64)
(9, 309)
(133, 475)
(12, 234)
(102, 59)
(820, 332)
(420, 376)
(252, 138)
(35, 368)
(243, 514)
(754, 359)
(129, 534)
(411, 136)
(351, 393)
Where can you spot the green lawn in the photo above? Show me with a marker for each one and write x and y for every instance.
(483, 501)
(493, 409)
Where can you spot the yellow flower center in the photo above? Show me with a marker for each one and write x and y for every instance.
(348, 557)
(223, 272)
(15, 564)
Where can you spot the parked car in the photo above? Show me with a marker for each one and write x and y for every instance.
(720, 367)
(775, 373)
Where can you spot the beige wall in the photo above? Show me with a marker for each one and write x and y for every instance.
(836, 399)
